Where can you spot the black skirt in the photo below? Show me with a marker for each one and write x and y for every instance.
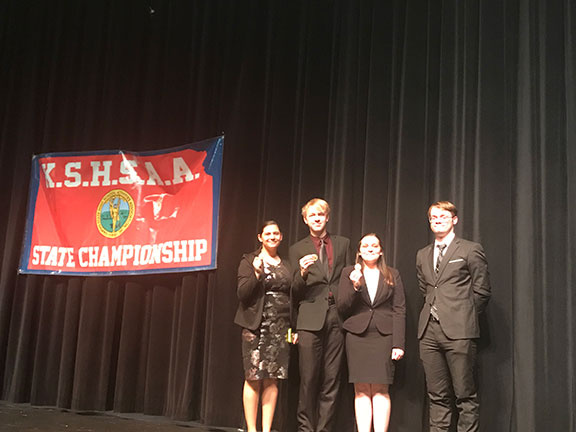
(369, 357)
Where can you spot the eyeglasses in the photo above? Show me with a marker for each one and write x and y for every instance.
(442, 218)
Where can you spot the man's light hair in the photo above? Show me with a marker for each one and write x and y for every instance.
(316, 202)
(444, 205)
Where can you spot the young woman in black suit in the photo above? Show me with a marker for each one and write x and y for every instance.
(372, 305)
(264, 281)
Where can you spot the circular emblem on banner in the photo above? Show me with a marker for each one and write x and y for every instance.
(115, 213)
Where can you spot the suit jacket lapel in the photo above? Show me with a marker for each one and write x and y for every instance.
(364, 293)
(336, 252)
(447, 255)
(429, 266)
(309, 246)
(380, 292)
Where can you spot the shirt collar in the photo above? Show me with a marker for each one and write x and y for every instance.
(446, 240)
(316, 240)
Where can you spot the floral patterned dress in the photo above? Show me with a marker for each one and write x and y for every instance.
(265, 350)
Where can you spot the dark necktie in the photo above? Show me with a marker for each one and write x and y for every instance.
(324, 256)
(441, 248)
(433, 308)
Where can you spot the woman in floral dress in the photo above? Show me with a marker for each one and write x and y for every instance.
(264, 281)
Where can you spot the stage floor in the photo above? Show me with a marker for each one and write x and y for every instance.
(24, 418)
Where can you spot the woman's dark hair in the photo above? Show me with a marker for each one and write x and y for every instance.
(381, 264)
(268, 223)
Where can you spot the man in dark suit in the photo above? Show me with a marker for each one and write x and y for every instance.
(453, 277)
(318, 260)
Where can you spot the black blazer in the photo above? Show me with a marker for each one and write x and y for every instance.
(250, 293)
(311, 293)
(388, 310)
(461, 287)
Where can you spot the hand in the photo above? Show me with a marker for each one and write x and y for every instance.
(397, 353)
(356, 275)
(306, 261)
(257, 264)
(294, 338)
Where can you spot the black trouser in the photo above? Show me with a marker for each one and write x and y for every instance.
(320, 357)
(449, 366)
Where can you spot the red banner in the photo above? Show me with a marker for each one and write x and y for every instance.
(122, 212)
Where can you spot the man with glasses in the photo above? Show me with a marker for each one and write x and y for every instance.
(453, 277)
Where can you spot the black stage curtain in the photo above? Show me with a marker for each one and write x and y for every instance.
(381, 107)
